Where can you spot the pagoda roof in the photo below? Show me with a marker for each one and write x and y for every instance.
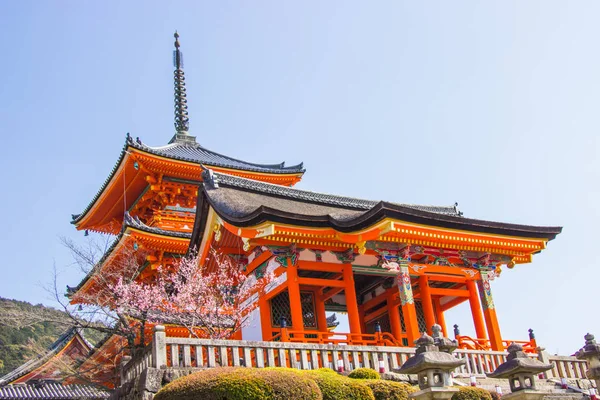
(244, 203)
(188, 151)
(194, 152)
(128, 222)
(55, 348)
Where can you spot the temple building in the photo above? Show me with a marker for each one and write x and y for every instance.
(41, 376)
(389, 266)
(394, 268)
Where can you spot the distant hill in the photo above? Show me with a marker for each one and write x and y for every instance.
(18, 345)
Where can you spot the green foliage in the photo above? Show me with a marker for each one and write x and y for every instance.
(364, 373)
(471, 393)
(19, 344)
(242, 384)
(338, 387)
(384, 390)
(326, 370)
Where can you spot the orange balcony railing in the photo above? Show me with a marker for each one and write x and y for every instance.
(361, 339)
(469, 343)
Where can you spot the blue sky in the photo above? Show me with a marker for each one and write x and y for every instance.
(490, 104)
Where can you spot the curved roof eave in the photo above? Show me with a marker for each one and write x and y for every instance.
(382, 211)
(129, 142)
(374, 211)
(128, 222)
(31, 365)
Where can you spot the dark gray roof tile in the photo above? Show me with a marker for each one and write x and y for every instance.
(338, 204)
(51, 390)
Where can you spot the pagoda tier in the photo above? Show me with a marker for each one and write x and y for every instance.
(141, 247)
(146, 179)
(397, 265)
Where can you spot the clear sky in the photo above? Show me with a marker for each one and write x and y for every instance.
(493, 104)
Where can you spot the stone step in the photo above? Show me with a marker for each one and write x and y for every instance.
(553, 388)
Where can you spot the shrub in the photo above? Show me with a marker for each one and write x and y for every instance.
(326, 370)
(471, 393)
(337, 387)
(383, 390)
(364, 373)
(241, 384)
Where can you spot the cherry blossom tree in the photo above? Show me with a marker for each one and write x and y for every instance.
(211, 299)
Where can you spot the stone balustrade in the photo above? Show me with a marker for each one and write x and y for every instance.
(170, 352)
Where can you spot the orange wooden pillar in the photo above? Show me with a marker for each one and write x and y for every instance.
(476, 310)
(439, 315)
(294, 293)
(361, 315)
(265, 318)
(394, 315)
(320, 311)
(426, 302)
(407, 302)
(489, 311)
(351, 301)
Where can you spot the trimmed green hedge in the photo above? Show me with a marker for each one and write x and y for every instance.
(472, 393)
(364, 373)
(284, 383)
(241, 384)
(338, 387)
(327, 370)
(384, 390)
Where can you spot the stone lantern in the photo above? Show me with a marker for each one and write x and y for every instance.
(591, 353)
(433, 368)
(444, 344)
(520, 370)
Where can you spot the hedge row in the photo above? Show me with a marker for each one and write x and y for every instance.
(280, 383)
(471, 393)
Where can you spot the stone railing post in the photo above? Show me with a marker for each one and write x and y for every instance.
(544, 357)
(159, 347)
(591, 353)
(122, 365)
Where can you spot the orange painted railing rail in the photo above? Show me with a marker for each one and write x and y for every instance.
(467, 342)
(363, 339)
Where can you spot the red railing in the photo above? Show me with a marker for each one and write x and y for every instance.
(467, 342)
(361, 339)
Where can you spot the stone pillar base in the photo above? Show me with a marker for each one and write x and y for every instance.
(525, 395)
(435, 393)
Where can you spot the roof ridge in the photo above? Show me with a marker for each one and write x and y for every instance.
(316, 197)
(280, 165)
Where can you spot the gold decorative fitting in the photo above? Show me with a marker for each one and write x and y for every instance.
(246, 244)
(361, 247)
(217, 231)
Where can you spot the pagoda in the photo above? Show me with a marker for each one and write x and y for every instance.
(149, 198)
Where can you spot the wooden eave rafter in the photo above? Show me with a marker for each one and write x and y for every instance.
(519, 249)
(147, 240)
(40, 369)
(129, 181)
